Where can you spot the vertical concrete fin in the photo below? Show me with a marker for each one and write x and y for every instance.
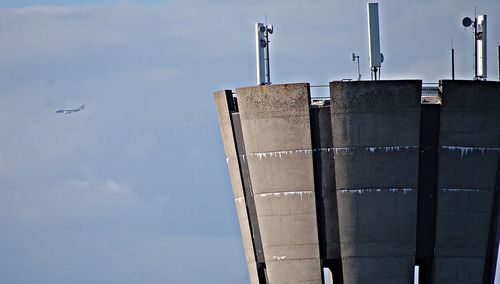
(469, 144)
(375, 131)
(276, 128)
(225, 104)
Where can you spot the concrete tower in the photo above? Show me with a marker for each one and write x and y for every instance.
(368, 184)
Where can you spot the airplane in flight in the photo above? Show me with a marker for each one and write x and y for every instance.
(70, 111)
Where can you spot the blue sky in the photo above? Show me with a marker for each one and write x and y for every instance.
(135, 188)
(28, 3)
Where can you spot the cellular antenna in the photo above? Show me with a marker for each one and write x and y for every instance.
(481, 57)
(374, 40)
(262, 32)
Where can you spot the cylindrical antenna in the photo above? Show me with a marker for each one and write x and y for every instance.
(262, 53)
(260, 44)
(481, 48)
(374, 39)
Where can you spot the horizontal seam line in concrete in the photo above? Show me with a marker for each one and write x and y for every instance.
(464, 211)
(377, 256)
(453, 256)
(278, 193)
(328, 149)
(289, 245)
(394, 189)
(469, 148)
(444, 189)
(417, 110)
(293, 259)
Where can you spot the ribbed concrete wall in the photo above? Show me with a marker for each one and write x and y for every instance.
(224, 102)
(276, 127)
(368, 184)
(375, 127)
(469, 146)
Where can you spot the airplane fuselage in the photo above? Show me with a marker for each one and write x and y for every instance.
(70, 111)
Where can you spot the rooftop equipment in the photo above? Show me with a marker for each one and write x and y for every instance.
(262, 32)
(376, 58)
(480, 45)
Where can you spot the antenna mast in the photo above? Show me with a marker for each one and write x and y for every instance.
(452, 61)
(480, 45)
(262, 32)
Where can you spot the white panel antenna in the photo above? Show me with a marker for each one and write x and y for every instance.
(481, 58)
(374, 39)
(262, 53)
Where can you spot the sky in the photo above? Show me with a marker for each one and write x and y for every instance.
(134, 189)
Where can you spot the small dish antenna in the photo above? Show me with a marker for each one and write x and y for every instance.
(466, 22)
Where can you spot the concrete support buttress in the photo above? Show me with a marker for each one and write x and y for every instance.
(224, 104)
(276, 127)
(375, 127)
(469, 147)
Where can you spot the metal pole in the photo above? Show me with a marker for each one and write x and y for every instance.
(475, 48)
(453, 64)
(498, 58)
(359, 72)
(268, 68)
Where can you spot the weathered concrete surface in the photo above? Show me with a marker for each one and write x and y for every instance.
(375, 128)
(276, 127)
(223, 100)
(247, 190)
(469, 146)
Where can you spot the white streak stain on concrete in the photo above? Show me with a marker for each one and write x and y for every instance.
(390, 148)
(466, 150)
(281, 154)
(239, 199)
(279, 257)
(370, 190)
(459, 189)
(285, 194)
